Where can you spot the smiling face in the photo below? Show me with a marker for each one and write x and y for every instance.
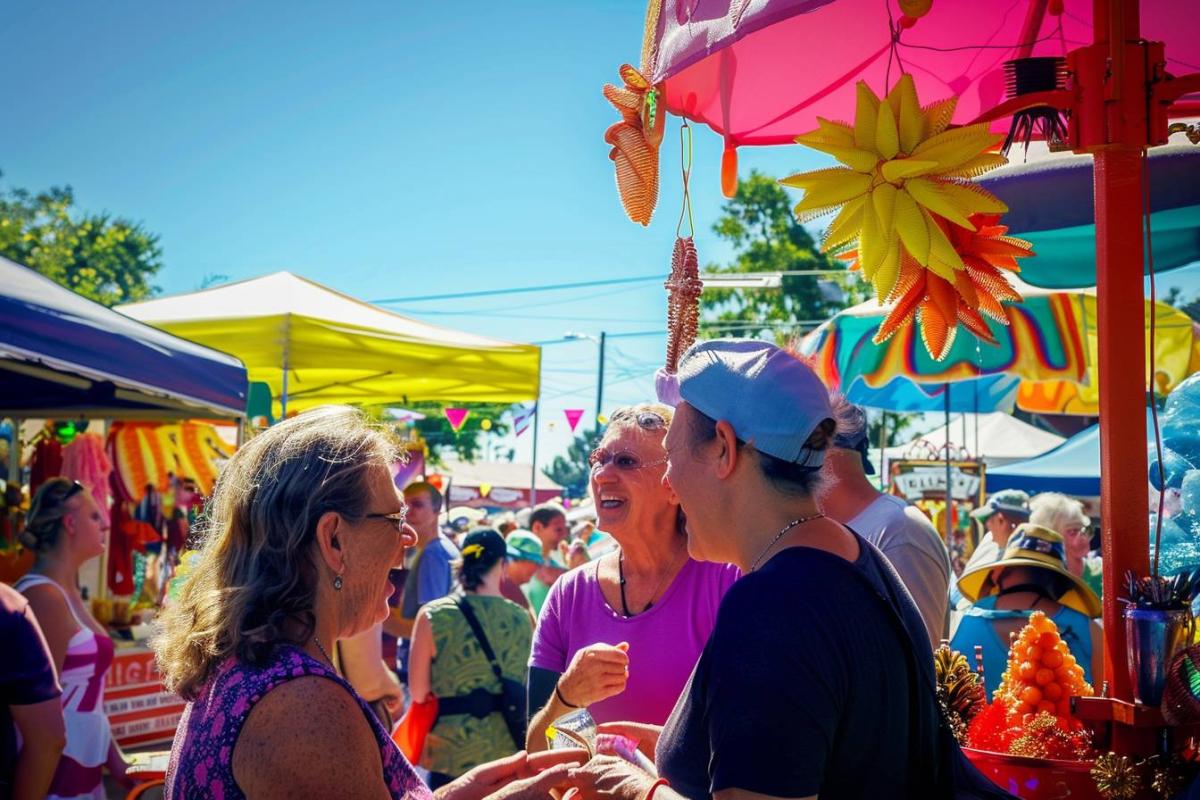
(687, 476)
(372, 548)
(627, 482)
(1077, 537)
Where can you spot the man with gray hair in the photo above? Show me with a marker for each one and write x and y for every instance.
(905, 536)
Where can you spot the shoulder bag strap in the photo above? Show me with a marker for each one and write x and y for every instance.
(477, 629)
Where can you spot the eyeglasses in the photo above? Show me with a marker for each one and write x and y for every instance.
(624, 460)
(649, 420)
(398, 518)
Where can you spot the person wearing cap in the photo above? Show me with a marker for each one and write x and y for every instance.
(1000, 516)
(1031, 575)
(621, 634)
(524, 559)
(448, 661)
(816, 680)
(899, 530)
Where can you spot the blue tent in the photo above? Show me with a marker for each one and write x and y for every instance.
(62, 355)
(1071, 468)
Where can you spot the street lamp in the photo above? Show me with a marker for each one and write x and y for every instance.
(600, 372)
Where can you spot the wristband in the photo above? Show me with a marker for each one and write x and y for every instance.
(649, 795)
(562, 699)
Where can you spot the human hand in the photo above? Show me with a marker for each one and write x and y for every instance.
(596, 672)
(521, 776)
(645, 734)
(609, 778)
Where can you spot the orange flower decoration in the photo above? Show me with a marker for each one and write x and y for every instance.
(635, 140)
(978, 291)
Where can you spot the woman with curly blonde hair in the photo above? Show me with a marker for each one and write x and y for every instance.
(303, 527)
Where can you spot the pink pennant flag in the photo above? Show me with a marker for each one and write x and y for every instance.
(522, 417)
(457, 416)
(573, 417)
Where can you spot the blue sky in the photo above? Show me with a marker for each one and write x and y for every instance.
(387, 149)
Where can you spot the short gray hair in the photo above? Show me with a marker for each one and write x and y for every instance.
(1056, 511)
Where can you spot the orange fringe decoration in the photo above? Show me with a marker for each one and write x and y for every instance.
(683, 300)
(635, 140)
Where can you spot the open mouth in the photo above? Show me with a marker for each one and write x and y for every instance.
(610, 502)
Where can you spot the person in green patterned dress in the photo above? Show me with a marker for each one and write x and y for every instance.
(448, 661)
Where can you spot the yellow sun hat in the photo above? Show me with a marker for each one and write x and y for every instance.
(1041, 548)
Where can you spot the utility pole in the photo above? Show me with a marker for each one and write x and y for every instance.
(600, 385)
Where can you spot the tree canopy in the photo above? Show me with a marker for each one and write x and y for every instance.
(107, 259)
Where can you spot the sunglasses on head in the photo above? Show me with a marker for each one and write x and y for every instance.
(648, 420)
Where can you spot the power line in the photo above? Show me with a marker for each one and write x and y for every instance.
(549, 287)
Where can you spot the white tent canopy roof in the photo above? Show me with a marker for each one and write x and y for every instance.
(1001, 439)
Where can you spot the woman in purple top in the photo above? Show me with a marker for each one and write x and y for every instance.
(621, 635)
(302, 529)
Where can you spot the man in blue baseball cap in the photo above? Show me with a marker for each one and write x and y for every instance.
(1000, 516)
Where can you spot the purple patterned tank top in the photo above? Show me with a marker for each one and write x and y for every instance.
(201, 765)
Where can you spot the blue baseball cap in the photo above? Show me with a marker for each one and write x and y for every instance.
(773, 400)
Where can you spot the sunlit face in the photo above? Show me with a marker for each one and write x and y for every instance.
(627, 480)
(85, 525)
(552, 532)
(1078, 539)
(421, 514)
(519, 570)
(372, 547)
(689, 480)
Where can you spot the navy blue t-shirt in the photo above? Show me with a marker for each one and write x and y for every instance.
(26, 674)
(804, 687)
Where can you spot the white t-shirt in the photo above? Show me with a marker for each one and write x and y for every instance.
(910, 542)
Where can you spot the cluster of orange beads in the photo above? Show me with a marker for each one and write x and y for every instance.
(1042, 674)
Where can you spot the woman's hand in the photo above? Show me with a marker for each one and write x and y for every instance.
(609, 778)
(645, 734)
(521, 776)
(597, 672)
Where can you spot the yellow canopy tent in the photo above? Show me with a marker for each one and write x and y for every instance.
(313, 345)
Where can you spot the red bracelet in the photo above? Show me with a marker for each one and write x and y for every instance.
(649, 795)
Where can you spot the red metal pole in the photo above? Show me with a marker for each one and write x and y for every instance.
(1124, 505)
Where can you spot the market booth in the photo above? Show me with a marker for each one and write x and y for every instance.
(63, 357)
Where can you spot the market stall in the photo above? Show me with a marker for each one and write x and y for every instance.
(63, 357)
(495, 485)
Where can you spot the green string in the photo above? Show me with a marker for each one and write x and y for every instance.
(685, 159)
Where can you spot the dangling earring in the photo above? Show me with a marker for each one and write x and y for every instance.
(337, 582)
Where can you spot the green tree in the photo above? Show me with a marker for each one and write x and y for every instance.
(107, 259)
(469, 443)
(571, 471)
(759, 224)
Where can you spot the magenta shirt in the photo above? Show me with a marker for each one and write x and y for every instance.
(664, 642)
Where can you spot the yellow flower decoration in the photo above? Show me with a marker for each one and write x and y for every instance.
(472, 550)
(905, 169)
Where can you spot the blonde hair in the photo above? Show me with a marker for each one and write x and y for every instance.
(47, 510)
(1056, 511)
(255, 581)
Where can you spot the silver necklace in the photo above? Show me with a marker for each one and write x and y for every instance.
(321, 647)
(778, 536)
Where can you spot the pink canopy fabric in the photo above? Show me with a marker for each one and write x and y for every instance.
(760, 72)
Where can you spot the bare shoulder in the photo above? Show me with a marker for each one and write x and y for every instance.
(308, 738)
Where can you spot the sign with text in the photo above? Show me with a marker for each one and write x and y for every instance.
(924, 480)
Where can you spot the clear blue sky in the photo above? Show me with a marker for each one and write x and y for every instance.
(383, 148)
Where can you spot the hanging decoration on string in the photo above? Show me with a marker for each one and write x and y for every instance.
(573, 416)
(905, 184)
(683, 284)
(523, 418)
(635, 140)
(485, 424)
(457, 417)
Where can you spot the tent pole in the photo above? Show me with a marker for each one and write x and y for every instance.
(287, 341)
(882, 443)
(537, 409)
(949, 484)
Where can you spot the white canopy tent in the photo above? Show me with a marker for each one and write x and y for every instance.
(996, 438)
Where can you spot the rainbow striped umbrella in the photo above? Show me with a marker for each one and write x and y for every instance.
(1045, 359)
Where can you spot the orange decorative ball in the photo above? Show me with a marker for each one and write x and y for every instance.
(915, 8)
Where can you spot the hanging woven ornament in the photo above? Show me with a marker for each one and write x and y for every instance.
(635, 140)
(683, 286)
(904, 191)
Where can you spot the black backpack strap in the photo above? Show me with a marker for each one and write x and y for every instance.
(477, 629)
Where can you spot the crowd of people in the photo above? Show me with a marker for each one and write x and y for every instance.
(747, 608)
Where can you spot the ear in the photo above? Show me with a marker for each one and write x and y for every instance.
(329, 545)
(727, 458)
